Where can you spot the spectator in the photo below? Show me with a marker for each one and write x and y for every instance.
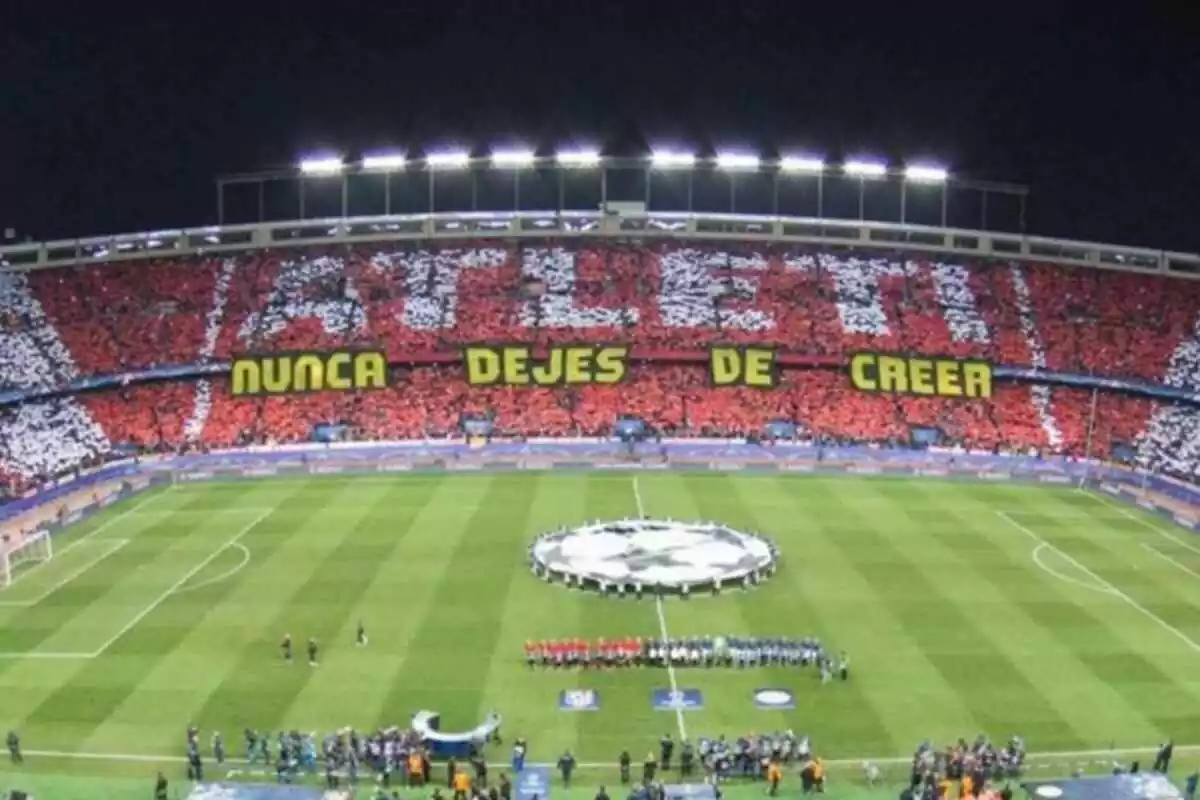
(60, 325)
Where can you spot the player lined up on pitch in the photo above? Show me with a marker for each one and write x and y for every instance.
(706, 651)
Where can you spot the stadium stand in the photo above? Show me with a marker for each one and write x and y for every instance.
(62, 323)
(39, 440)
(128, 316)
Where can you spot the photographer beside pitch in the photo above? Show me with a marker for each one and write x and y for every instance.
(403, 752)
(14, 748)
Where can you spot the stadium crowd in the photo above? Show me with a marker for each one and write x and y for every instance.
(60, 325)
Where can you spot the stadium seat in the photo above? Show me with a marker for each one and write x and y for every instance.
(62, 324)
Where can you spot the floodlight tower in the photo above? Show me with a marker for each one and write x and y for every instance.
(387, 163)
(864, 170)
(516, 160)
(669, 159)
(584, 158)
(733, 163)
(443, 161)
(324, 166)
(928, 175)
(757, 184)
(797, 165)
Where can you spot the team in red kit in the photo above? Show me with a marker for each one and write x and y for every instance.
(581, 652)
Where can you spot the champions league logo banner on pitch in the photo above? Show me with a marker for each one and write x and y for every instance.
(578, 700)
(1140, 786)
(629, 556)
(689, 791)
(774, 699)
(533, 783)
(677, 700)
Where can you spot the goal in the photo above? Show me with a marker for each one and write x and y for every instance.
(21, 552)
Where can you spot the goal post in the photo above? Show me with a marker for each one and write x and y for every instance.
(21, 551)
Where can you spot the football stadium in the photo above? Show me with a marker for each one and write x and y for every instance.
(676, 495)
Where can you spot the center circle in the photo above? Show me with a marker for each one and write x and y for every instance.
(659, 555)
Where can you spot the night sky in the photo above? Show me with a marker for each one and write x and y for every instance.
(112, 122)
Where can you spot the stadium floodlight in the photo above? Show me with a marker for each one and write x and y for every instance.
(865, 169)
(664, 159)
(449, 159)
(801, 164)
(926, 173)
(385, 161)
(578, 158)
(322, 165)
(512, 158)
(737, 161)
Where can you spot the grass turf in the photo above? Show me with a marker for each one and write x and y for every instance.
(965, 607)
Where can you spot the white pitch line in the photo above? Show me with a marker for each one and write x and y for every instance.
(1037, 550)
(36, 654)
(150, 758)
(1183, 637)
(1139, 520)
(99, 530)
(27, 603)
(1171, 561)
(229, 573)
(637, 497)
(191, 574)
(662, 624)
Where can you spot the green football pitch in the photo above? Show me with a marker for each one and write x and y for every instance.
(999, 608)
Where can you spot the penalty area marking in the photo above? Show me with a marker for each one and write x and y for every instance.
(119, 543)
(1128, 514)
(150, 758)
(229, 573)
(1183, 637)
(1037, 559)
(34, 654)
(88, 536)
(148, 609)
(175, 588)
(1171, 561)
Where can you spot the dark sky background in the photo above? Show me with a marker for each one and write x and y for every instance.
(113, 121)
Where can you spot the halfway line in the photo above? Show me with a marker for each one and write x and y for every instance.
(662, 627)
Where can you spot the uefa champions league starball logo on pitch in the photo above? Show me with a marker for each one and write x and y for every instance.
(653, 555)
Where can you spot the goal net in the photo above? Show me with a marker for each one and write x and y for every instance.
(19, 552)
